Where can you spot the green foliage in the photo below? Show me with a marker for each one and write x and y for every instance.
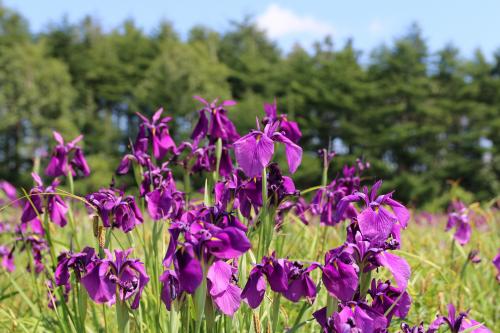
(421, 118)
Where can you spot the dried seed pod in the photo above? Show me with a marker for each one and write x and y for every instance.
(101, 237)
(95, 225)
(256, 322)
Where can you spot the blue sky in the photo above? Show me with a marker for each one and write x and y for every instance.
(467, 24)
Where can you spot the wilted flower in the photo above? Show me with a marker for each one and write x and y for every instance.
(107, 278)
(255, 150)
(67, 158)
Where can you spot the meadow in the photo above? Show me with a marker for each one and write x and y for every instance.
(242, 250)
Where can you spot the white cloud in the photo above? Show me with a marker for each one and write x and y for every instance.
(278, 22)
(376, 27)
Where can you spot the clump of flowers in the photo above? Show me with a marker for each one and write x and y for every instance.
(214, 251)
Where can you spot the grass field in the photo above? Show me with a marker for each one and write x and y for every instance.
(441, 274)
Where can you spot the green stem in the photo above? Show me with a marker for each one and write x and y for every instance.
(364, 281)
(122, 316)
(275, 312)
(331, 305)
(70, 211)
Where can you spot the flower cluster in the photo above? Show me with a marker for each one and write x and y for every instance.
(213, 254)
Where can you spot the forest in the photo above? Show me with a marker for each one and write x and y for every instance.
(425, 120)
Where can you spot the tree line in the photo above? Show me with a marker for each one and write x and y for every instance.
(421, 118)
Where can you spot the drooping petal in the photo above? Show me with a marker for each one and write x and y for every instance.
(293, 152)
(463, 233)
(470, 323)
(230, 243)
(255, 288)
(228, 302)
(99, 287)
(219, 274)
(171, 289)
(253, 155)
(368, 320)
(397, 266)
(188, 269)
(401, 212)
(340, 279)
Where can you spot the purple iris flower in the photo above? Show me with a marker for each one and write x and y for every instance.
(289, 128)
(300, 284)
(375, 221)
(279, 186)
(207, 234)
(37, 246)
(326, 202)
(274, 271)
(10, 192)
(77, 262)
(116, 210)
(340, 274)
(457, 323)
(299, 209)
(7, 257)
(139, 155)
(162, 197)
(249, 195)
(51, 297)
(218, 127)
(368, 256)
(496, 262)
(352, 318)
(291, 279)
(67, 158)
(255, 150)
(156, 130)
(405, 328)
(107, 278)
(459, 217)
(387, 297)
(222, 287)
(50, 202)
